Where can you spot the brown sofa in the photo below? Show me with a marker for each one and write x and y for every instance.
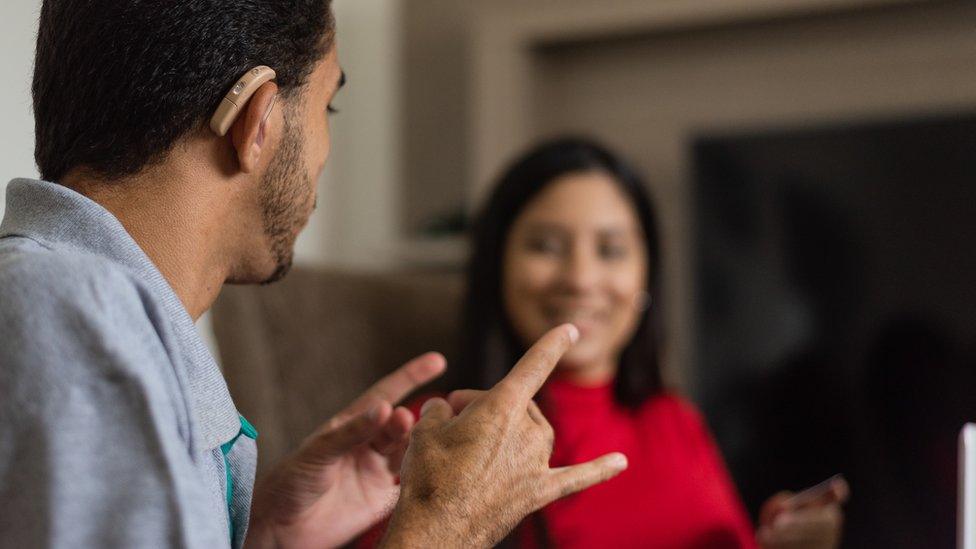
(297, 351)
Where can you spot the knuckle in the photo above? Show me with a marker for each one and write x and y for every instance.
(501, 400)
(548, 435)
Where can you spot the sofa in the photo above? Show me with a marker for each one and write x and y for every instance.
(296, 352)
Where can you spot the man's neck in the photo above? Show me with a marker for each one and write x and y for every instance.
(177, 223)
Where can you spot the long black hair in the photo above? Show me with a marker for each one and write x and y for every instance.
(489, 345)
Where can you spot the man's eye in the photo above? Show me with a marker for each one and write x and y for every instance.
(331, 110)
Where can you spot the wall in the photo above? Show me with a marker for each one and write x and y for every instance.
(649, 84)
(18, 28)
(435, 167)
(357, 225)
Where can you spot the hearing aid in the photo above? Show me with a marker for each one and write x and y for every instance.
(238, 96)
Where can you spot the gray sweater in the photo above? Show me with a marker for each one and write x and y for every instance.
(112, 410)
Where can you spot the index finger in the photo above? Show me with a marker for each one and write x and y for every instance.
(531, 372)
(403, 381)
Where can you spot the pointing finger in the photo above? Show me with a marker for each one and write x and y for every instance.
(400, 383)
(531, 372)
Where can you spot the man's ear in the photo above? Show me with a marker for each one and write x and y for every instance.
(249, 133)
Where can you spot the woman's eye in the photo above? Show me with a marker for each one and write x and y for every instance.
(613, 251)
(545, 246)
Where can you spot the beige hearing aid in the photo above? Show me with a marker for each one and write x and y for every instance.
(237, 97)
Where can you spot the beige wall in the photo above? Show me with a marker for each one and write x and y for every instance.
(435, 164)
(357, 222)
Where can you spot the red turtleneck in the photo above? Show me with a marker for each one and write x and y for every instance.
(676, 492)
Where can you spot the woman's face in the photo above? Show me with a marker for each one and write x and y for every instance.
(576, 254)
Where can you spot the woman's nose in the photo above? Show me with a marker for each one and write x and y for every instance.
(581, 271)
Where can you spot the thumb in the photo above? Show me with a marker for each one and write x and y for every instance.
(564, 481)
(340, 437)
(773, 507)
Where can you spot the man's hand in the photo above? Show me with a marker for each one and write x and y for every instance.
(343, 477)
(793, 521)
(469, 478)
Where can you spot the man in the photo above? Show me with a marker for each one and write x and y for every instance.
(116, 427)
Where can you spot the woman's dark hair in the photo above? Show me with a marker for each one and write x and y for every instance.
(490, 346)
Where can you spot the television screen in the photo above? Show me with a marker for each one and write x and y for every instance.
(836, 314)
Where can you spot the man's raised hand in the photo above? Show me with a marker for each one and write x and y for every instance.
(477, 466)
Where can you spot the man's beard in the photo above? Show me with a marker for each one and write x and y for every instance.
(284, 191)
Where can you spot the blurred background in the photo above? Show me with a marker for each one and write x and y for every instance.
(812, 162)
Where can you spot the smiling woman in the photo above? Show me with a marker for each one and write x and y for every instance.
(569, 235)
(577, 254)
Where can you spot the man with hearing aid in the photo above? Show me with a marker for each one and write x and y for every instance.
(179, 144)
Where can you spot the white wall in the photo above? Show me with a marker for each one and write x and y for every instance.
(18, 30)
(357, 222)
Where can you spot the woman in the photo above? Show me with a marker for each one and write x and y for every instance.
(569, 235)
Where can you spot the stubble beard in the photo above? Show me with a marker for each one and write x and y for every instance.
(284, 193)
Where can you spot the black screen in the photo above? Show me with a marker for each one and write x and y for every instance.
(836, 314)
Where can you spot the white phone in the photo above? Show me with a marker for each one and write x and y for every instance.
(966, 519)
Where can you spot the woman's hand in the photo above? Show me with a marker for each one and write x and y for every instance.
(798, 521)
(343, 478)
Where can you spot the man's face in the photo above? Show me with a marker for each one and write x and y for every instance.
(287, 190)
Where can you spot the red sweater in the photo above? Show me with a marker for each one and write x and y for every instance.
(676, 492)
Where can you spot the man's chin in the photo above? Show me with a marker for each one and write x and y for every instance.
(280, 271)
(266, 274)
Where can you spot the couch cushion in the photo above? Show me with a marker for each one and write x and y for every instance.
(296, 352)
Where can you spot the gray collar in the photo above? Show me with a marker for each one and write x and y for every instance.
(58, 217)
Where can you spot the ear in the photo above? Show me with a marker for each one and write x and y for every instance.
(250, 132)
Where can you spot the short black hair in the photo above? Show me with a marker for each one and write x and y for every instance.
(489, 344)
(118, 82)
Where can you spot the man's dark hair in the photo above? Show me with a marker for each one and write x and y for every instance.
(118, 82)
(490, 346)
